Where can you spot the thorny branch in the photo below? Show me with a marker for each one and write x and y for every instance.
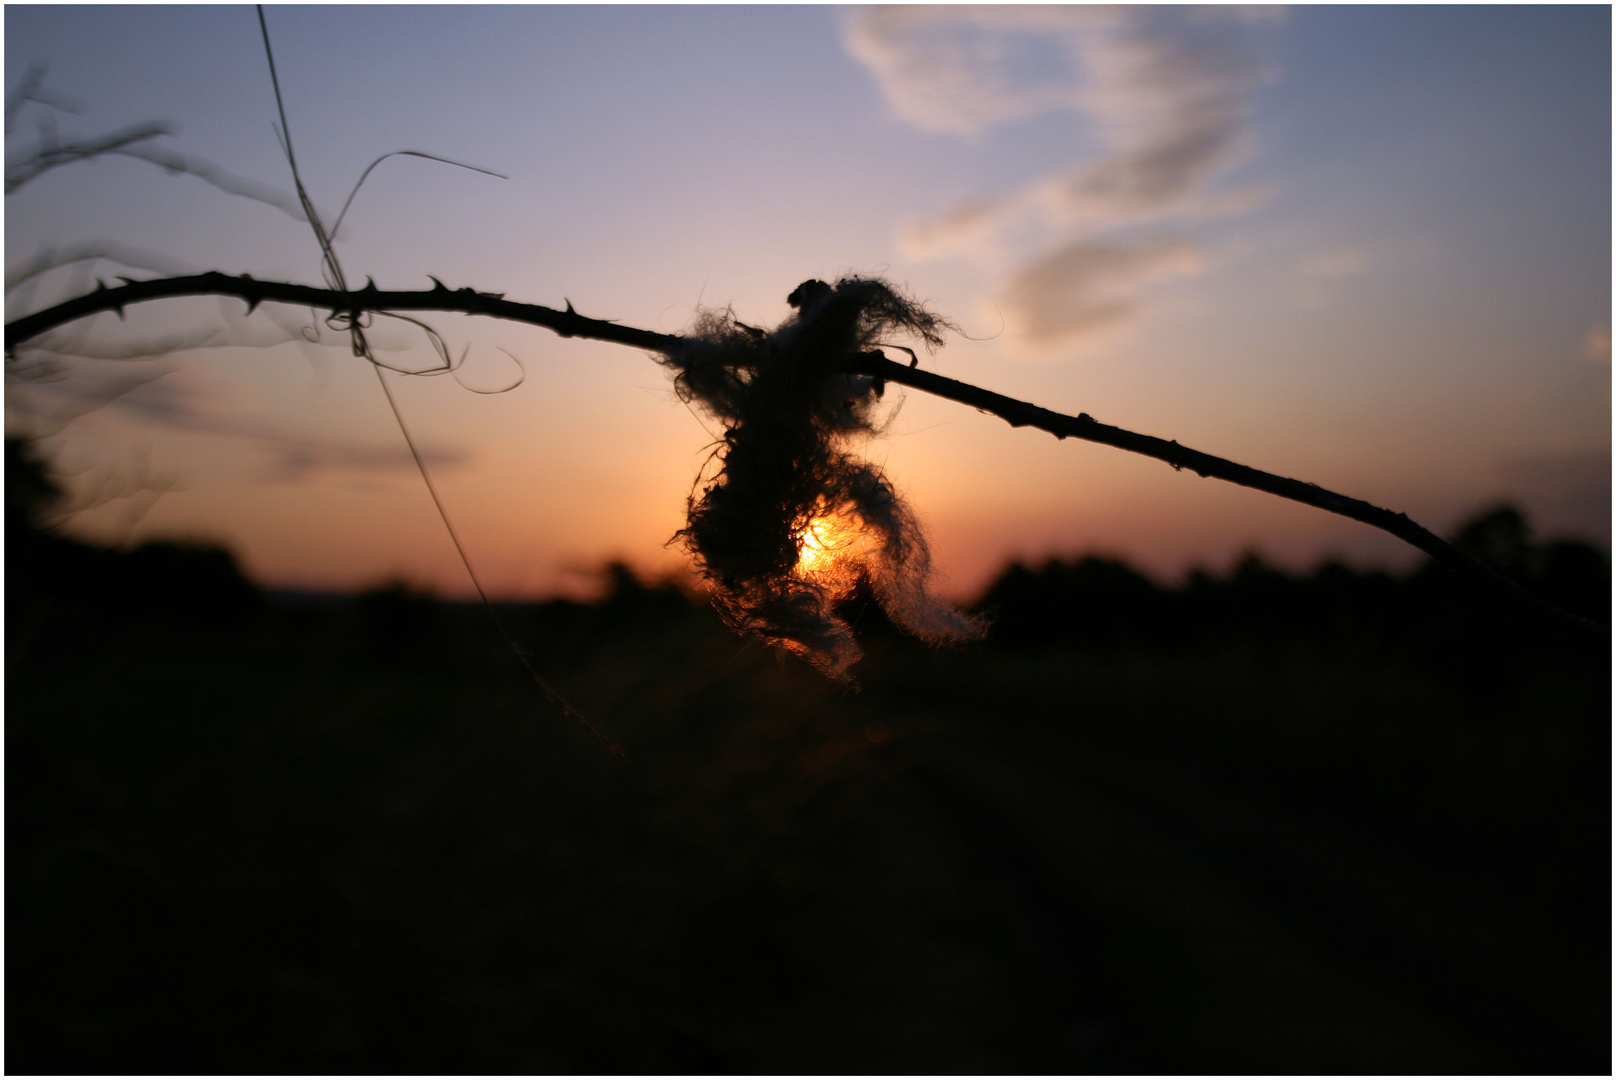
(873, 364)
(567, 323)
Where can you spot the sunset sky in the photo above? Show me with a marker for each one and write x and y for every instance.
(1366, 247)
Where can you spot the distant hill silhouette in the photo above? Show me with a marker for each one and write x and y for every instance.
(161, 579)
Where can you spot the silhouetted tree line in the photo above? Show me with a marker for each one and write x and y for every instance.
(1106, 603)
(1089, 601)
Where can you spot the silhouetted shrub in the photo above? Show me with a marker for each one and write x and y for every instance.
(397, 623)
(629, 600)
(31, 490)
(1094, 600)
(1500, 537)
(184, 580)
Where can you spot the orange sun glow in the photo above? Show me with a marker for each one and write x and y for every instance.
(821, 545)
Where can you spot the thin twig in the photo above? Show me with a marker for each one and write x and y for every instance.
(569, 323)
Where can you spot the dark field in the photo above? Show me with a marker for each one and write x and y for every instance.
(1342, 823)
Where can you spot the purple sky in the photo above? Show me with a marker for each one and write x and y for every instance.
(1367, 247)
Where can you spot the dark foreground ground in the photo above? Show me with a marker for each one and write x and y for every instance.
(1341, 824)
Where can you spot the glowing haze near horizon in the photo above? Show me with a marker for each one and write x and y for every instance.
(1366, 247)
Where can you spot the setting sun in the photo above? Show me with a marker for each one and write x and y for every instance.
(822, 549)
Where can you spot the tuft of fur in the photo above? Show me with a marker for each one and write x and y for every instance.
(787, 480)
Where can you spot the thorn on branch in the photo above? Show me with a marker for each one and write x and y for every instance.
(571, 314)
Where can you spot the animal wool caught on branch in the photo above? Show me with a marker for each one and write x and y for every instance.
(793, 519)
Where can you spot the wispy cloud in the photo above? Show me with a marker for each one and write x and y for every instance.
(1596, 344)
(1090, 284)
(1338, 263)
(295, 457)
(1167, 96)
(1316, 275)
(964, 69)
(180, 402)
